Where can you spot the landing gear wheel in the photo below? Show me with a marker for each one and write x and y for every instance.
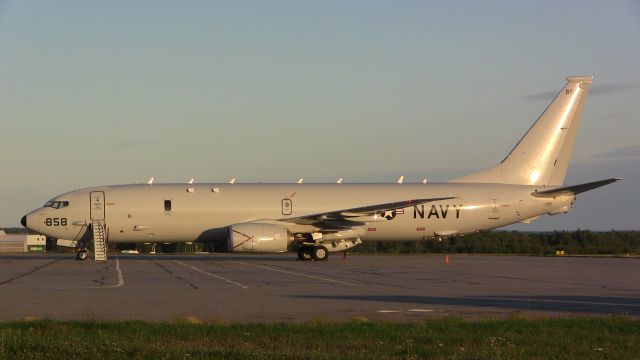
(82, 254)
(320, 253)
(304, 253)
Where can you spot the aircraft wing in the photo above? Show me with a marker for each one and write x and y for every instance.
(574, 189)
(347, 218)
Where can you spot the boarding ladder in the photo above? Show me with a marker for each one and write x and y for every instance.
(99, 240)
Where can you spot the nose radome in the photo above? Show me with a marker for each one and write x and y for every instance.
(24, 221)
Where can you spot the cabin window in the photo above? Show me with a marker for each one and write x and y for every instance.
(167, 205)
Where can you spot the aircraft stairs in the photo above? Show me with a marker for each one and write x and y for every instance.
(99, 240)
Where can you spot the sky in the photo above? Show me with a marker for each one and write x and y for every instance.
(110, 92)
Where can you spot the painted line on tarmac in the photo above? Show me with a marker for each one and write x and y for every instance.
(120, 276)
(296, 274)
(212, 275)
(399, 311)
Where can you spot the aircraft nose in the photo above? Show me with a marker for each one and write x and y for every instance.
(24, 221)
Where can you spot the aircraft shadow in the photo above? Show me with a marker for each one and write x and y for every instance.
(181, 257)
(571, 304)
(212, 257)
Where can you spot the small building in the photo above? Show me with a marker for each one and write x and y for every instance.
(22, 243)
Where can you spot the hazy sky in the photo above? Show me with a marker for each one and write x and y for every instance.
(107, 92)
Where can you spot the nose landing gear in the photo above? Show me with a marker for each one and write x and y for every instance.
(82, 254)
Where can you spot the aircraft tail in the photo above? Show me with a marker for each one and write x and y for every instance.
(542, 156)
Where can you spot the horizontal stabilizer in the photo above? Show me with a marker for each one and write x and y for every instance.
(574, 189)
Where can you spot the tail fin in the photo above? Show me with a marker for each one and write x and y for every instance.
(542, 156)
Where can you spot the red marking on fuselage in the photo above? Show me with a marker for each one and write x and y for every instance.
(245, 235)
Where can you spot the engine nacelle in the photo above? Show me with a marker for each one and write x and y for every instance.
(252, 237)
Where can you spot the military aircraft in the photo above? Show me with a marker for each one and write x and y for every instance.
(323, 218)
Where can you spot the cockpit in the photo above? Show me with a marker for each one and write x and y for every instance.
(56, 204)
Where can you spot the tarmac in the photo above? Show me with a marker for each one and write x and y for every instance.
(278, 288)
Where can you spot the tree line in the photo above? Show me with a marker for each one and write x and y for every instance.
(579, 242)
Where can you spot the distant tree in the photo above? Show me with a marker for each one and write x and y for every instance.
(514, 242)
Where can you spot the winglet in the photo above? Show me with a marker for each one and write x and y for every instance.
(400, 179)
(150, 181)
(300, 181)
(232, 181)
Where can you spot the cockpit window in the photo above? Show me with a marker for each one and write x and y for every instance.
(56, 204)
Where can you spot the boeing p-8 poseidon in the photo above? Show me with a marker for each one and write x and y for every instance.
(325, 218)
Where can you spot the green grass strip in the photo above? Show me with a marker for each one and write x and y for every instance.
(449, 338)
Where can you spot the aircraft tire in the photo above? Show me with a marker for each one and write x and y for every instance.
(82, 255)
(304, 253)
(320, 253)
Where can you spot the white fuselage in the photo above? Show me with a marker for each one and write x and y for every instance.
(137, 213)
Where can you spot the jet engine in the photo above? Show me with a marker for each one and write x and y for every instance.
(255, 237)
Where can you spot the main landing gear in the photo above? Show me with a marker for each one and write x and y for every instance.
(312, 252)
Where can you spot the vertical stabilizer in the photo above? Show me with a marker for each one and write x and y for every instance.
(542, 156)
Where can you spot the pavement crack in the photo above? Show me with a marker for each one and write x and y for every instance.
(194, 286)
(37, 268)
(163, 267)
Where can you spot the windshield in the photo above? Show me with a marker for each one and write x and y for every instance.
(56, 204)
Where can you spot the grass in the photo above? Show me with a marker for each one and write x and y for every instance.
(450, 338)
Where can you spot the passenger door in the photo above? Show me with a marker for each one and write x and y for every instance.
(97, 205)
